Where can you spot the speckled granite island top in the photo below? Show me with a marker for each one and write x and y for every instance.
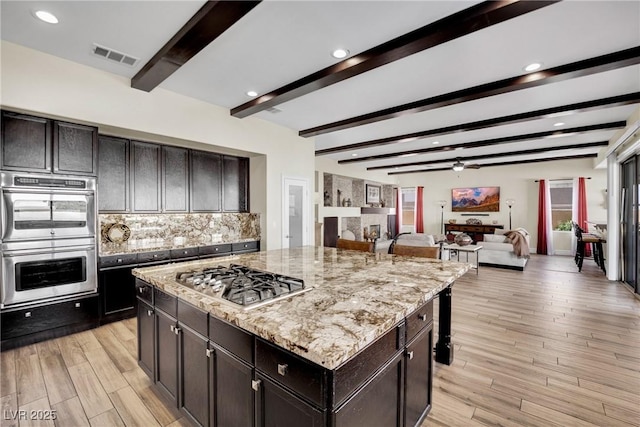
(355, 298)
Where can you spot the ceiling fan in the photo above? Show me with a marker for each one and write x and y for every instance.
(459, 166)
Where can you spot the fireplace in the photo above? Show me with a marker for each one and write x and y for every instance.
(374, 231)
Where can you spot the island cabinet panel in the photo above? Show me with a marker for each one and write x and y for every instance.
(277, 407)
(419, 319)
(146, 338)
(379, 402)
(118, 293)
(166, 354)
(145, 177)
(205, 171)
(113, 174)
(235, 195)
(75, 149)
(194, 375)
(26, 143)
(232, 338)
(232, 398)
(175, 179)
(418, 377)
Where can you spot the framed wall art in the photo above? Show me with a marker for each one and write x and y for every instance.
(372, 194)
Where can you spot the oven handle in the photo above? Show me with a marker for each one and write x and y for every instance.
(26, 252)
(50, 190)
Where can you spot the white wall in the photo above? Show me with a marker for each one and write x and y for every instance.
(516, 182)
(42, 84)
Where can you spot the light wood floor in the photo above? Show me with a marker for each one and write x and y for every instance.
(544, 347)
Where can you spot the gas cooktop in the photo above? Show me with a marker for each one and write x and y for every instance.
(241, 286)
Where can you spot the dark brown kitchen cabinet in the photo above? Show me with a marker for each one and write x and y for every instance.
(118, 293)
(37, 144)
(277, 407)
(418, 364)
(232, 398)
(166, 333)
(235, 186)
(175, 179)
(146, 338)
(194, 375)
(145, 173)
(206, 181)
(113, 174)
(75, 149)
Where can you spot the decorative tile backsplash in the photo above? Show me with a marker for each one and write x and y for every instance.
(205, 228)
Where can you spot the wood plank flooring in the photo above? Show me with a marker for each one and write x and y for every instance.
(545, 347)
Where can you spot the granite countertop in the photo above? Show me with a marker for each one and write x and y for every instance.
(149, 245)
(355, 298)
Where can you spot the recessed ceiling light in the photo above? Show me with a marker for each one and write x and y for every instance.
(47, 17)
(340, 53)
(532, 67)
(559, 124)
(436, 142)
(252, 93)
(354, 155)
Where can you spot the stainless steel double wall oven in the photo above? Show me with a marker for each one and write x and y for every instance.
(48, 238)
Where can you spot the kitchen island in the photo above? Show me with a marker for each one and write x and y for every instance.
(354, 349)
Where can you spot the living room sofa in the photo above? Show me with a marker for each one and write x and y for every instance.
(498, 251)
(419, 239)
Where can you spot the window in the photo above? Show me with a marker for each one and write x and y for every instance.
(561, 204)
(408, 207)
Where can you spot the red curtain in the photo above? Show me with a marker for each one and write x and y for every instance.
(398, 211)
(542, 219)
(582, 211)
(419, 210)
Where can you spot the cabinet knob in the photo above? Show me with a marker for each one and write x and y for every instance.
(255, 384)
(27, 314)
(176, 330)
(410, 355)
(283, 369)
(185, 252)
(77, 305)
(119, 260)
(52, 232)
(149, 312)
(172, 328)
(423, 317)
(209, 352)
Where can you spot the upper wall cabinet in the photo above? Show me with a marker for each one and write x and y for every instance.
(206, 181)
(145, 177)
(36, 144)
(235, 173)
(175, 179)
(113, 177)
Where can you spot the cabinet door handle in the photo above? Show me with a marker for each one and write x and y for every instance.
(209, 352)
(410, 355)
(149, 312)
(27, 314)
(423, 317)
(176, 330)
(141, 290)
(173, 328)
(77, 305)
(283, 369)
(255, 384)
(119, 260)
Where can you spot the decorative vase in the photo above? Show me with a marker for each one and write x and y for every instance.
(463, 239)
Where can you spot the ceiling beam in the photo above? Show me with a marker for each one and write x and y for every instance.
(599, 64)
(494, 141)
(495, 155)
(465, 22)
(519, 162)
(213, 19)
(580, 107)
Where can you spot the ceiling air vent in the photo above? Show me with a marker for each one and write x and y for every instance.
(114, 55)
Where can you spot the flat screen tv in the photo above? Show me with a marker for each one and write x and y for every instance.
(475, 199)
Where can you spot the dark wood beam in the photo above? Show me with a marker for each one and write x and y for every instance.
(580, 107)
(494, 141)
(465, 22)
(611, 61)
(519, 162)
(496, 155)
(213, 19)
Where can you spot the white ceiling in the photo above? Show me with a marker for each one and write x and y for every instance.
(279, 42)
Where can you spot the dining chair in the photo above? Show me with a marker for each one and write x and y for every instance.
(355, 245)
(418, 251)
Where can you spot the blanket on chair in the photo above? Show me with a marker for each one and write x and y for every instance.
(519, 242)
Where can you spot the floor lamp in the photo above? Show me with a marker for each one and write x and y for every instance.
(510, 203)
(442, 204)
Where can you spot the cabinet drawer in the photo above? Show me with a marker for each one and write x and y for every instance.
(153, 256)
(144, 291)
(214, 249)
(165, 302)
(419, 319)
(232, 338)
(244, 246)
(118, 260)
(184, 253)
(193, 317)
(41, 318)
(303, 377)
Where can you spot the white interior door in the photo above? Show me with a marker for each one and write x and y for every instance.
(295, 213)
